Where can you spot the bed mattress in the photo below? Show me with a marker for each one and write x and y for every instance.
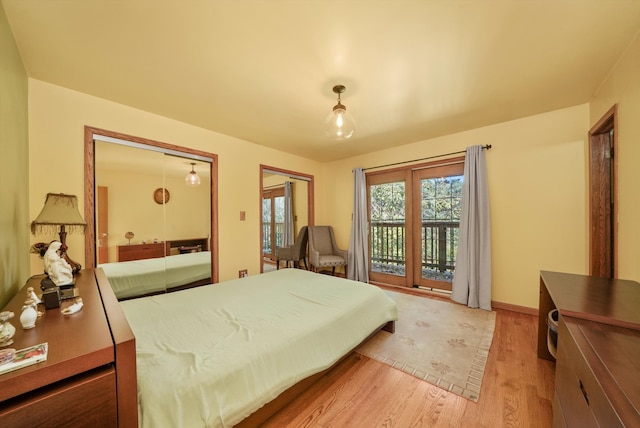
(212, 355)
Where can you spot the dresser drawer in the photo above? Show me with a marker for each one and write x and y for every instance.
(140, 251)
(86, 400)
(558, 417)
(580, 394)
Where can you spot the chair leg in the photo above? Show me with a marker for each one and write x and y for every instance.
(277, 264)
(305, 263)
(333, 271)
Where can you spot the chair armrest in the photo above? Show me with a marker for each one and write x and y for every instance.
(342, 253)
(314, 257)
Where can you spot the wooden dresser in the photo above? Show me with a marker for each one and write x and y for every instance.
(89, 376)
(140, 251)
(598, 353)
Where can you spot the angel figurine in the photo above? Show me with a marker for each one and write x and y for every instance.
(57, 267)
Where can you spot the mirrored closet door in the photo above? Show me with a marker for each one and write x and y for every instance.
(152, 215)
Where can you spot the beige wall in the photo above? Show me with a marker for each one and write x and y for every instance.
(14, 167)
(57, 117)
(622, 87)
(536, 174)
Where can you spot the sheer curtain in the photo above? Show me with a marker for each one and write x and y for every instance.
(288, 235)
(472, 278)
(358, 263)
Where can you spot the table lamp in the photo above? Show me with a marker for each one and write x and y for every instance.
(60, 210)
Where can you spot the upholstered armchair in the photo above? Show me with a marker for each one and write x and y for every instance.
(296, 252)
(323, 251)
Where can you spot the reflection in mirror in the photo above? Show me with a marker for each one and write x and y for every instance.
(273, 230)
(153, 231)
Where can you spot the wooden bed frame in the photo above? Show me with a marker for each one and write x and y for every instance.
(202, 244)
(126, 365)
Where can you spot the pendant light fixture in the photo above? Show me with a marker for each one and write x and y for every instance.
(339, 125)
(192, 179)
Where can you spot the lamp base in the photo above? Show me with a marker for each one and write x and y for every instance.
(75, 266)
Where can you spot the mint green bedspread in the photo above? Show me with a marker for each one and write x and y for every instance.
(212, 355)
(147, 276)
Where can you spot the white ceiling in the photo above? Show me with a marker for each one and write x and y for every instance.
(262, 70)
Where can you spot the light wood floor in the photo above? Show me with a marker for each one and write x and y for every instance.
(517, 390)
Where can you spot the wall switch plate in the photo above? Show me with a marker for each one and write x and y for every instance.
(243, 215)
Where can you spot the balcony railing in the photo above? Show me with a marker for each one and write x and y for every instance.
(439, 245)
(267, 247)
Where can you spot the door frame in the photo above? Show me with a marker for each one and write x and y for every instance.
(607, 123)
(310, 198)
(412, 210)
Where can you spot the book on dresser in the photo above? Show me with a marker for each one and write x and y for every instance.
(26, 357)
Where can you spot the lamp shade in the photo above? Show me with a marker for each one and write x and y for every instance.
(192, 179)
(59, 210)
(339, 124)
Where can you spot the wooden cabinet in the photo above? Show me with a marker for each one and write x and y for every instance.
(79, 383)
(598, 352)
(597, 374)
(140, 251)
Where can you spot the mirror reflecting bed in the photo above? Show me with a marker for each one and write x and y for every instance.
(153, 217)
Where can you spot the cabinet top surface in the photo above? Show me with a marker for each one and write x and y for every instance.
(77, 342)
(610, 301)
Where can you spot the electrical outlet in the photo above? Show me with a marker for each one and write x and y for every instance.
(243, 273)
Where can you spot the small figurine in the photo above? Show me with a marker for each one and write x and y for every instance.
(57, 267)
(7, 330)
(32, 295)
(29, 314)
(73, 308)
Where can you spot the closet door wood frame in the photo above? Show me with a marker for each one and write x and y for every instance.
(89, 191)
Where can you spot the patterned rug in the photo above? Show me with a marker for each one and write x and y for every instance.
(443, 343)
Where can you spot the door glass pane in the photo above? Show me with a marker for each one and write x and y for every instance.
(278, 204)
(387, 228)
(441, 206)
(266, 226)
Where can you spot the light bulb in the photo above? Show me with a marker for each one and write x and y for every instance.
(192, 179)
(339, 125)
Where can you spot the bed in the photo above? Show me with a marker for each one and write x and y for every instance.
(152, 276)
(214, 355)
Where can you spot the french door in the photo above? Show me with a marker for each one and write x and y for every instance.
(272, 221)
(414, 217)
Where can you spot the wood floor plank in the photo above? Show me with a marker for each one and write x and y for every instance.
(517, 390)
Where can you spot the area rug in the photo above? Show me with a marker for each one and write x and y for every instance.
(443, 343)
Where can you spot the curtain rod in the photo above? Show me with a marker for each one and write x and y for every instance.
(273, 186)
(485, 147)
